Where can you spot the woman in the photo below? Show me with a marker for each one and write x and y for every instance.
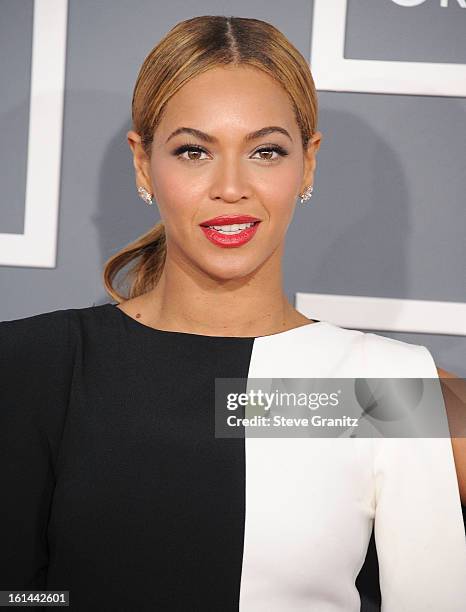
(118, 489)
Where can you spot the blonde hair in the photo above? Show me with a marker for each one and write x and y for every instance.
(191, 47)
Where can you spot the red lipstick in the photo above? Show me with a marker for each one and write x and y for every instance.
(233, 236)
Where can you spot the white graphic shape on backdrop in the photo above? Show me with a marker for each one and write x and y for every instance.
(443, 3)
(385, 314)
(37, 245)
(332, 72)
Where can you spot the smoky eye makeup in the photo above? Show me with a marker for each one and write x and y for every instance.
(188, 147)
(272, 147)
(282, 151)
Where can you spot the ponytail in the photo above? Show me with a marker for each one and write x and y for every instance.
(148, 254)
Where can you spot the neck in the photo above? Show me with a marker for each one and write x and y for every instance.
(187, 300)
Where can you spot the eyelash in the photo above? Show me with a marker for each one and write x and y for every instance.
(188, 147)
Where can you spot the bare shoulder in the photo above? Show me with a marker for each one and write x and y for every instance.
(454, 394)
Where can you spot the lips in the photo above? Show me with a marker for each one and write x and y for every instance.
(236, 239)
(229, 220)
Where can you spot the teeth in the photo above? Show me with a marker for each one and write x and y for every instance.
(236, 228)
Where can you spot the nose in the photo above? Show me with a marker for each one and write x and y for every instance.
(230, 181)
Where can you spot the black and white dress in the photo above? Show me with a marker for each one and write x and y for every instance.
(115, 487)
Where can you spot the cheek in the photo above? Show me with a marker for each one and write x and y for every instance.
(171, 178)
(278, 195)
(177, 194)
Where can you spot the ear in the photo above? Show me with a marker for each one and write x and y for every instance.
(141, 161)
(310, 160)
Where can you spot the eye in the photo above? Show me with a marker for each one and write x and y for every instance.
(187, 148)
(270, 150)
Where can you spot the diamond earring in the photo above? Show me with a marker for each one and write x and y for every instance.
(307, 194)
(145, 195)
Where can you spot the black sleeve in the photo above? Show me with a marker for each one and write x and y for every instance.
(35, 376)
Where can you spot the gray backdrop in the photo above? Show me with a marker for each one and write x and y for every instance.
(387, 216)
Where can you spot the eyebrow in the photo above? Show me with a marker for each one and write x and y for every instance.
(251, 136)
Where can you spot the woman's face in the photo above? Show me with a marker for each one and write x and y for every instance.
(221, 168)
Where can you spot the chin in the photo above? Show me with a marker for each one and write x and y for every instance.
(225, 272)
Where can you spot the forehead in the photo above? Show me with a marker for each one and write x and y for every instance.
(231, 96)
